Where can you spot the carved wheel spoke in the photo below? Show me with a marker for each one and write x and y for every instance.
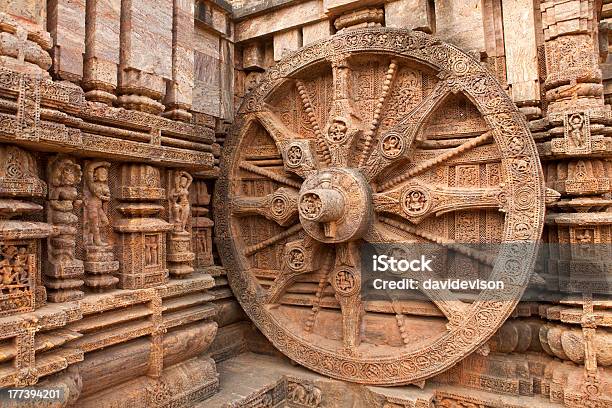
(388, 137)
(449, 304)
(296, 152)
(346, 281)
(280, 206)
(396, 143)
(415, 201)
(299, 257)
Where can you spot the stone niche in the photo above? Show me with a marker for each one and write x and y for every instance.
(141, 248)
(21, 288)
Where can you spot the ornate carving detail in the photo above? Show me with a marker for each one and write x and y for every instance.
(100, 263)
(64, 272)
(180, 256)
(304, 394)
(491, 165)
(141, 235)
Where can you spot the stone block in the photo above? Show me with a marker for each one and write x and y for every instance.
(253, 56)
(279, 20)
(286, 42)
(316, 31)
(521, 50)
(413, 14)
(31, 12)
(461, 23)
(146, 37)
(67, 27)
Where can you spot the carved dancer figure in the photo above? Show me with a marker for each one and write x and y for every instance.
(576, 123)
(179, 201)
(97, 196)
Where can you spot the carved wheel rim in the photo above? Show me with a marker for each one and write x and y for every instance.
(339, 140)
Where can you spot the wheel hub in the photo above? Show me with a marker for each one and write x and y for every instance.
(335, 205)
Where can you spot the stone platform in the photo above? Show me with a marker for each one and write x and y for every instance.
(262, 381)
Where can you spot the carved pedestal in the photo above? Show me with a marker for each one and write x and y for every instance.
(142, 236)
(180, 256)
(64, 273)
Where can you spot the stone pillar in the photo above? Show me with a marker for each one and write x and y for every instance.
(66, 23)
(573, 80)
(21, 288)
(414, 14)
(522, 55)
(146, 54)
(101, 50)
(577, 159)
(142, 234)
(64, 272)
(179, 90)
(180, 256)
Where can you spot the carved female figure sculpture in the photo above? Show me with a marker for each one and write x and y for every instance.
(97, 196)
(576, 124)
(179, 201)
(100, 263)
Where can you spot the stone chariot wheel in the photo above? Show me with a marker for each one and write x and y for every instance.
(376, 135)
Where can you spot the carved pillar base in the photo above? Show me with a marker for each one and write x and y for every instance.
(100, 264)
(142, 236)
(141, 91)
(180, 257)
(64, 279)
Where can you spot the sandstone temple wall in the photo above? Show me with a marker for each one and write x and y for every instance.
(113, 116)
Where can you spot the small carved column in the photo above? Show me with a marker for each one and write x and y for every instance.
(100, 263)
(201, 225)
(180, 256)
(142, 235)
(21, 289)
(64, 272)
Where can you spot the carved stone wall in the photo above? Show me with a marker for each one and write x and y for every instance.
(109, 288)
(114, 286)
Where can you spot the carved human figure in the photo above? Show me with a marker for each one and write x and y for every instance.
(576, 123)
(63, 200)
(415, 202)
(150, 250)
(63, 195)
(20, 266)
(8, 274)
(179, 200)
(392, 145)
(97, 196)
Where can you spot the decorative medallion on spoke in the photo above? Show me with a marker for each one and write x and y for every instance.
(380, 136)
